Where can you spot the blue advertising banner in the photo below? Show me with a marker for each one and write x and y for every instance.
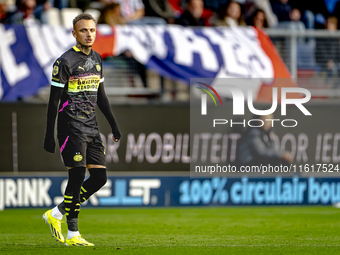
(22, 192)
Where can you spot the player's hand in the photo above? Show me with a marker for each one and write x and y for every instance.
(49, 144)
(115, 139)
(116, 135)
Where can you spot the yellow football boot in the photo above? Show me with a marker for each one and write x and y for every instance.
(77, 241)
(55, 226)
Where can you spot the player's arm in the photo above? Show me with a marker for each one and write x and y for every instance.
(104, 106)
(55, 94)
(59, 79)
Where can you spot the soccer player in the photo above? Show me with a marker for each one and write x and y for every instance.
(77, 82)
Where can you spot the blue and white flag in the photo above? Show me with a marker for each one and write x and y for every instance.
(26, 58)
(176, 52)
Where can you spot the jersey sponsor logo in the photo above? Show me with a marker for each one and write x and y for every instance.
(77, 157)
(84, 83)
(55, 70)
(98, 68)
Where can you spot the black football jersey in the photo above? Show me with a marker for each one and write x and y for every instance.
(80, 75)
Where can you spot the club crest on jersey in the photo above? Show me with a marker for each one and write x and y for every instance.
(98, 68)
(55, 70)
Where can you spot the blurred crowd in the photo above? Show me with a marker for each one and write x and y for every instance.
(319, 54)
(289, 14)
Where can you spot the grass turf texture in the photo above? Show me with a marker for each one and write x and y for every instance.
(231, 230)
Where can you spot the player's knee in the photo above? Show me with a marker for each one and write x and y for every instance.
(100, 175)
(76, 178)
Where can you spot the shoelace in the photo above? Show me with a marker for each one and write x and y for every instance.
(81, 239)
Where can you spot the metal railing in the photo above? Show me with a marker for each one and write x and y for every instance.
(293, 37)
(312, 57)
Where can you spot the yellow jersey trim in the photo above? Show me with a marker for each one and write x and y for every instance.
(75, 48)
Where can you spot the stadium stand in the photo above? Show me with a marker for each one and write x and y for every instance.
(297, 23)
(68, 14)
(95, 13)
(54, 16)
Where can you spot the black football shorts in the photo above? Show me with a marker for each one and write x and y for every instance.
(79, 150)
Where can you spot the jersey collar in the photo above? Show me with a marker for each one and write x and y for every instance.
(75, 48)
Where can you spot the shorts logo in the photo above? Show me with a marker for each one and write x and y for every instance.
(77, 157)
(55, 70)
(98, 68)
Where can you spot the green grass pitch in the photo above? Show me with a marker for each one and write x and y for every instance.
(214, 230)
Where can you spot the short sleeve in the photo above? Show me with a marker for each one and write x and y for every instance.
(60, 74)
